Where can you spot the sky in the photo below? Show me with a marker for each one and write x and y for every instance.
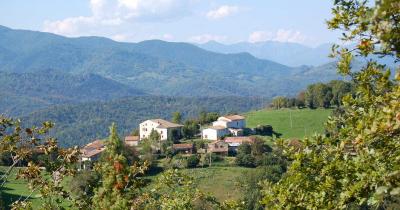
(195, 21)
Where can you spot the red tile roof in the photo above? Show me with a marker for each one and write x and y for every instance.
(217, 127)
(93, 148)
(239, 139)
(131, 138)
(165, 123)
(182, 146)
(234, 117)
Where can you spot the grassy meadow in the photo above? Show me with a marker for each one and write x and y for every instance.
(218, 181)
(291, 123)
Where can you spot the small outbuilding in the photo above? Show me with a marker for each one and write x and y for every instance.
(183, 148)
(218, 147)
(132, 140)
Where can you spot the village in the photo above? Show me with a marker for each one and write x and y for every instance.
(221, 137)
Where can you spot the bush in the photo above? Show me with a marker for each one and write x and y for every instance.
(83, 184)
(246, 160)
(192, 161)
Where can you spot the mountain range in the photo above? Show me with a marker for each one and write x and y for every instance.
(83, 84)
(153, 67)
(290, 54)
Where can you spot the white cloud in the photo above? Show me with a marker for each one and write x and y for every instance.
(282, 35)
(121, 37)
(113, 13)
(203, 38)
(168, 37)
(222, 11)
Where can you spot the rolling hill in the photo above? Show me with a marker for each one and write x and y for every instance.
(154, 67)
(26, 92)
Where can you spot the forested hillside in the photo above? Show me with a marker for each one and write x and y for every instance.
(26, 92)
(79, 124)
(155, 67)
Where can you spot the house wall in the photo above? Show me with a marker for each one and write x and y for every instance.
(163, 133)
(132, 143)
(227, 124)
(213, 134)
(146, 127)
(237, 124)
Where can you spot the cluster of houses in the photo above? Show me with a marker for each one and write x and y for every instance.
(224, 135)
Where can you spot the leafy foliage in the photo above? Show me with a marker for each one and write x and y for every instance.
(356, 166)
(317, 95)
(119, 181)
(43, 177)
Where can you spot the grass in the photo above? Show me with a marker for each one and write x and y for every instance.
(221, 182)
(16, 189)
(291, 123)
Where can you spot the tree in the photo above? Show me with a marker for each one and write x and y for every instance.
(190, 129)
(244, 157)
(356, 166)
(135, 132)
(279, 102)
(176, 117)
(119, 183)
(339, 90)
(300, 100)
(192, 161)
(82, 186)
(155, 139)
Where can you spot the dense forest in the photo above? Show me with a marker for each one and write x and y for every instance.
(318, 95)
(27, 92)
(81, 123)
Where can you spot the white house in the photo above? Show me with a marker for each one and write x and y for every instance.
(214, 132)
(225, 125)
(231, 121)
(91, 152)
(165, 128)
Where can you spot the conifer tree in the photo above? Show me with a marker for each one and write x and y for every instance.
(119, 183)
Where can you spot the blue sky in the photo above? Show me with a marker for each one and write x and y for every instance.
(176, 20)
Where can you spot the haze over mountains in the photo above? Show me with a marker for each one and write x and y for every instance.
(290, 54)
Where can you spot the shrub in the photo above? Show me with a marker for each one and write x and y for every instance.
(192, 161)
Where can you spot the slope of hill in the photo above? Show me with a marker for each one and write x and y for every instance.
(291, 123)
(291, 54)
(26, 92)
(79, 124)
(156, 67)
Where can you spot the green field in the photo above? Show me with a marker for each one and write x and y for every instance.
(220, 182)
(291, 123)
(17, 189)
